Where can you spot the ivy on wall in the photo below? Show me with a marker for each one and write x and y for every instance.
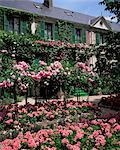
(65, 31)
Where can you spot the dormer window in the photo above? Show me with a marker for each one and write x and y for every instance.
(68, 13)
(37, 6)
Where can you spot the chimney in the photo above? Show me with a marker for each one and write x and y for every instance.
(48, 3)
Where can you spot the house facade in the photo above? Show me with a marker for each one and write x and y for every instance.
(52, 23)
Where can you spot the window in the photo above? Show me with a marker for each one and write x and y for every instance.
(102, 39)
(48, 31)
(78, 35)
(14, 25)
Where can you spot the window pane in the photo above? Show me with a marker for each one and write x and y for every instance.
(16, 25)
(48, 31)
(11, 25)
(77, 35)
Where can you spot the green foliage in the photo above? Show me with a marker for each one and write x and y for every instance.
(113, 6)
(65, 31)
(108, 64)
(20, 45)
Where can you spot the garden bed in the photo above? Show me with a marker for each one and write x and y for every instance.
(56, 125)
(112, 102)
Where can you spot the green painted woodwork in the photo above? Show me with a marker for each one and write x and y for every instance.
(97, 38)
(23, 26)
(55, 31)
(73, 35)
(80, 92)
(1, 20)
(42, 29)
(6, 23)
(84, 36)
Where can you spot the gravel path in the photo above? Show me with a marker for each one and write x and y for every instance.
(94, 99)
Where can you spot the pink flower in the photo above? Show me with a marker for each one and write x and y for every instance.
(100, 140)
(94, 122)
(65, 132)
(16, 144)
(116, 128)
(20, 116)
(31, 143)
(52, 142)
(6, 147)
(9, 121)
(108, 134)
(3, 84)
(16, 122)
(20, 135)
(42, 63)
(65, 141)
(30, 115)
(81, 65)
(35, 113)
(52, 116)
(112, 120)
(28, 135)
(88, 69)
(79, 135)
(24, 110)
(13, 76)
(9, 115)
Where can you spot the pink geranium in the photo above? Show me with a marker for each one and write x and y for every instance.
(100, 140)
(65, 141)
(9, 115)
(16, 122)
(79, 135)
(9, 121)
(31, 143)
(112, 120)
(16, 144)
(42, 63)
(6, 147)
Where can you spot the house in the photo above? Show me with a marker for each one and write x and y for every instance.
(52, 23)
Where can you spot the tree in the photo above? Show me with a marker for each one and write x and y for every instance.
(113, 6)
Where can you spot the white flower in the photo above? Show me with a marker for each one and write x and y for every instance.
(14, 42)
(46, 83)
(65, 73)
(69, 73)
(67, 68)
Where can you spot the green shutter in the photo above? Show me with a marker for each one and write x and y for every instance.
(55, 30)
(83, 36)
(97, 38)
(23, 26)
(1, 21)
(42, 29)
(6, 23)
(73, 35)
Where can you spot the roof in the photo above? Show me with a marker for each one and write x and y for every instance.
(53, 12)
